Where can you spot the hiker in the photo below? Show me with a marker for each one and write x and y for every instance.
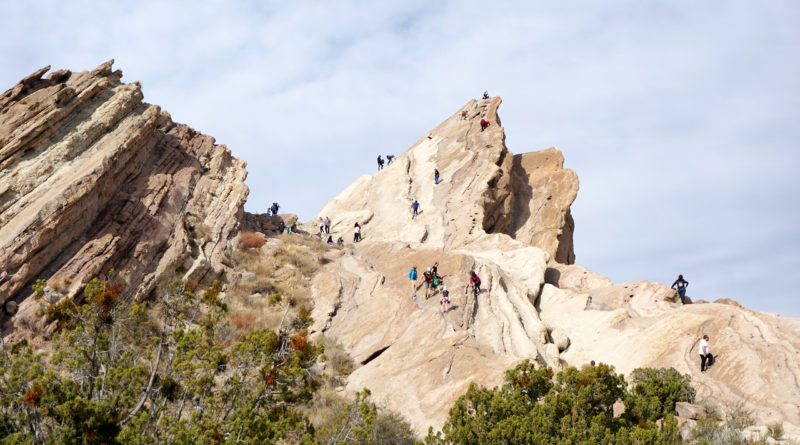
(357, 233)
(484, 124)
(281, 226)
(430, 135)
(445, 301)
(389, 159)
(330, 240)
(706, 359)
(412, 275)
(428, 282)
(435, 268)
(340, 241)
(327, 225)
(289, 228)
(681, 283)
(414, 209)
(435, 175)
(485, 94)
(380, 162)
(463, 115)
(321, 226)
(475, 282)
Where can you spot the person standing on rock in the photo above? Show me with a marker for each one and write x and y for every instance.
(380, 163)
(281, 226)
(436, 176)
(475, 282)
(412, 275)
(445, 301)
(414, 209)
(681, 286)
(428, 282)
(327, 225)
(357, 233)
(706, 359)
(485, 94)
(321, 226)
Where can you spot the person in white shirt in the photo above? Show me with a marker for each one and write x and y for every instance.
(706, 359)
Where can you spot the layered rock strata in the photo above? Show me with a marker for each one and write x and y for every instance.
(507, 217)
(94, 179)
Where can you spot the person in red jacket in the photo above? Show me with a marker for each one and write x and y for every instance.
(475, 282)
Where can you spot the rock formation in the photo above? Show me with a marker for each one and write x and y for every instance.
(94, 179)
(507, 217)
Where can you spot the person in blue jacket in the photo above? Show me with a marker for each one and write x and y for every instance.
(412, 275)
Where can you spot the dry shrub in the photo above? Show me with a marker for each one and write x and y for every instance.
(244, 322)
(251, 240)
(298, 341)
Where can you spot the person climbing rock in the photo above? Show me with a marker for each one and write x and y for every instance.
(485, 94)
(414, 209)
(330, 240)
(445, 301)
(436, 176)
(327, 225)
(706, 359)
(681, 286)
(484, 124)
(475, 282)
(428, 276)
(389, 159)
(321, 226)
(435, 268)
(340, 241)
(464, 115)
(380, 162)
(412, 275)
(357, 232)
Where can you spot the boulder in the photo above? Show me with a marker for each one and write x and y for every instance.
(690, 411)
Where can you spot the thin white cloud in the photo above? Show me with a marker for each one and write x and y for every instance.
(680, 118)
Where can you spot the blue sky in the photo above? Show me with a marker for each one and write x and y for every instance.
(681, 118)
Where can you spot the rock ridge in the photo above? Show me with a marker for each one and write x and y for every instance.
(93, 179)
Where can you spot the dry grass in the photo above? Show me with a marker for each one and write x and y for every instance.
(282, 277)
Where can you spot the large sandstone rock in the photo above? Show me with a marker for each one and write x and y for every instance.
(94, 179)
(507, 217)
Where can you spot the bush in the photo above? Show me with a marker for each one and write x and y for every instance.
(655, 392)
(775, 431)
(251, 240)
(577, 408)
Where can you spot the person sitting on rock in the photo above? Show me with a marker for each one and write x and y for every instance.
(340, 241)
(330, 240)
(475, 282)
(706, 359)
(681, 286)
(436, 176)
(445, 301)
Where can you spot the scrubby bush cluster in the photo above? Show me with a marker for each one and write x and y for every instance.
(163, 372)
(577, 407)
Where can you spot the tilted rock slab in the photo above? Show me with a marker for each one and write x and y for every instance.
(507, 217)
(94, 179)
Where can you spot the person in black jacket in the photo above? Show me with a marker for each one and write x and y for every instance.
(681, 286)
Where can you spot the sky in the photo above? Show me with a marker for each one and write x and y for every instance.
(681, 118)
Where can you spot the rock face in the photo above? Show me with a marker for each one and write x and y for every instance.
(92, 178)
(507, 217)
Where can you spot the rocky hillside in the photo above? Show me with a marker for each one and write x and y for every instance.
(94, 179)
(507, 217)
